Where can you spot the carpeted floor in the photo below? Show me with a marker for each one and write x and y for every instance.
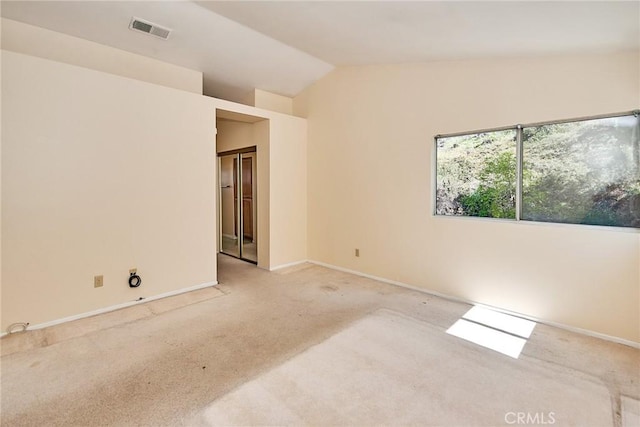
(394, 370)
(309, 346)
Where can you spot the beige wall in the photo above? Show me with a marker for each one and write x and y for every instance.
(288, 193)
(269, 101)
(369, 183)
(273, 102)
(101, 174)
(36, 41)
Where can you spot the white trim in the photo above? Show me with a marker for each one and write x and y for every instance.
(291, 264)
(118, 306)
(521, 222)
(501, 310)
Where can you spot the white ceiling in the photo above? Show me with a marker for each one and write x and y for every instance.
(233, 58)
(283, 46)
(365, 32)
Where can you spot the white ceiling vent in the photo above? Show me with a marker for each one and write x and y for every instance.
(138, 24)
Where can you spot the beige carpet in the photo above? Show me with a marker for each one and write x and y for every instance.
(389, 369)
(306, 346)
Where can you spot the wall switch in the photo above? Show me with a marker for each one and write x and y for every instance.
(357, 252)
(133, 271)
(97, 281)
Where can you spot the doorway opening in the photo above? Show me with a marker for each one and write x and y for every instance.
(242, 161)
(238, 203)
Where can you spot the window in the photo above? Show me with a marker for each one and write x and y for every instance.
(583, 172)
(574, 171)
(476, 174)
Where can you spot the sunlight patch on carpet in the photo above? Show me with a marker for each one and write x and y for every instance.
(494, 330)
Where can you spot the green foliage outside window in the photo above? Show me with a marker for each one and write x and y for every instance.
(476, 175)
(496, 196)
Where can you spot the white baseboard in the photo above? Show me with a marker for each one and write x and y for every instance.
(117, 306)
(291, 264)
(466, 301)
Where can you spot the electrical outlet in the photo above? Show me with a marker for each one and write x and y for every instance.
(133, 271)
(357, 252)
(98, 281)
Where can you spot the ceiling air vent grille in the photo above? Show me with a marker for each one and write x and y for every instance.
(149, 28)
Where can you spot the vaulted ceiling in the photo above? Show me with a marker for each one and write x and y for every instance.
(283, 46)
